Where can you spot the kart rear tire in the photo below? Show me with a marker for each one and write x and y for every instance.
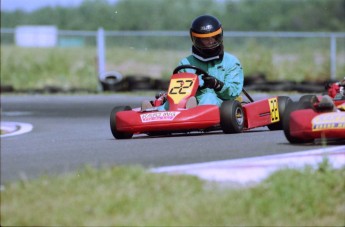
(283, 101)
(118, 134)
(292, 106)
(231, 117)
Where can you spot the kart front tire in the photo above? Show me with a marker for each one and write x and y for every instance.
(118, 134)
(292, 106)
(231, 117)
(283, 101)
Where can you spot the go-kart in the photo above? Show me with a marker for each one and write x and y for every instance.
(334, 90)
(314, 117)
(233, 116)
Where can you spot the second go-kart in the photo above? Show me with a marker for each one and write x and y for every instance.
(233, 116)
(315, 117)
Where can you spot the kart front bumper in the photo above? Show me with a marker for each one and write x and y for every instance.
(197, 118)
(308, 124)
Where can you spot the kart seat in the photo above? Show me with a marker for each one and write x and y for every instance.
(326, 104)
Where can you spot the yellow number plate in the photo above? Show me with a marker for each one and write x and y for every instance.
(180, 88)
(273, 102)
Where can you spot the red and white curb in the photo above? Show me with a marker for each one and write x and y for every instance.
(254, 170)
(14, 128)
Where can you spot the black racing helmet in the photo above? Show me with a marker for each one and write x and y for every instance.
(207, 36)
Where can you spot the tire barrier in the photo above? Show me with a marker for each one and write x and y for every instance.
(135, 83)
(110, 80)
(258, 82)
(115, 82)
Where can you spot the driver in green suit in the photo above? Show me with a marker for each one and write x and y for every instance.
(225, 80)
(226, 75)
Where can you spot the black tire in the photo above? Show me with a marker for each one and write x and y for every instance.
(139, 82)
(110, 80)
(307, 101)
(292, 106)
(231, 117)
(117, 134)
(159, 84)
(121, 86)
(283, 101)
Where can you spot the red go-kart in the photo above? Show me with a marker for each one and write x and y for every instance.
(232, 116)
(316, 117)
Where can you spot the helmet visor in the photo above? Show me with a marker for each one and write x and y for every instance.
(207, 41)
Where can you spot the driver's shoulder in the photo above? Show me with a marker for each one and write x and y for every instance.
(230, 57)
(230, 60)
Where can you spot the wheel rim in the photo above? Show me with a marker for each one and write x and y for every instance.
(239, 116)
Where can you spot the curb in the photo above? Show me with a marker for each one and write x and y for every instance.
(254, 170)
(14, 128)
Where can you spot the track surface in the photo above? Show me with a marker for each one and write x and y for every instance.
(71, 131)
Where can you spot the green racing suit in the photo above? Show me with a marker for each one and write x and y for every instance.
(228, 70)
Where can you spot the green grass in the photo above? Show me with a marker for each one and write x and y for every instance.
(34, 68)
(130, 196)
(68, 68)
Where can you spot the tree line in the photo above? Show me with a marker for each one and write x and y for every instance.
(236, 15)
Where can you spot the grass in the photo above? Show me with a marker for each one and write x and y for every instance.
(131, 196)
(34, 68)
(68, 68)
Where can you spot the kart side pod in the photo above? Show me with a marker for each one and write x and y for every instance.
(266, 112)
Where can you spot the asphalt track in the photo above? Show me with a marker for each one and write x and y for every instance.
(71, 131)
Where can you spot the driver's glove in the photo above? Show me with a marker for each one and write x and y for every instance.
(211, 82)
(161, 98)
(161, 95)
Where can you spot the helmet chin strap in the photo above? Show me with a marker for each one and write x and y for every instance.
(204, 57)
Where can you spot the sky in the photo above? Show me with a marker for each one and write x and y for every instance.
(30, 5)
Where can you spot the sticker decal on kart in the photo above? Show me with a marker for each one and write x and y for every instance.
(341, 107)
(159, 116)
(273, 102)
(180, 88)
(328, 121)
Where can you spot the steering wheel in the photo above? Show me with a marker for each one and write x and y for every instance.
(198, 71)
